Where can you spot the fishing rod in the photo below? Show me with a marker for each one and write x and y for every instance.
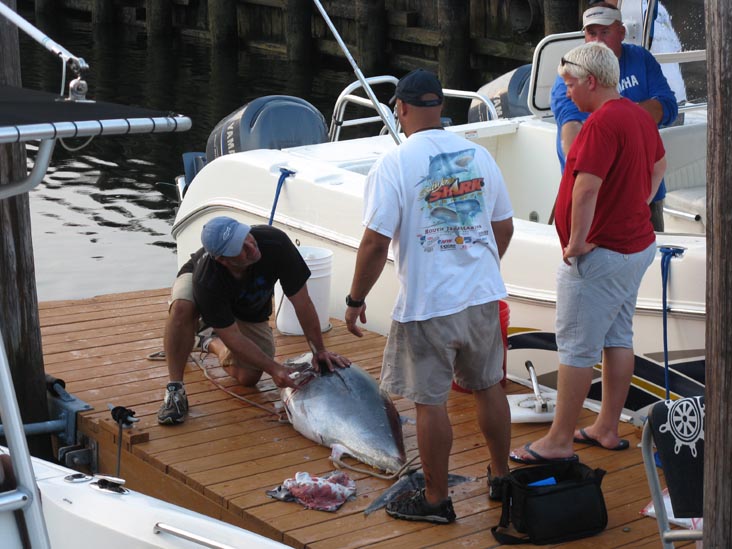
(369, 92)
(649, 20)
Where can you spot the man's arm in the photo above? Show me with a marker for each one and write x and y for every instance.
(584, 199)
(568, 133)
(502, 231)
(654, 108)
(246, 350)
(659, 168)
(666, 107)
(310, 324)
(568, 118)
(370, 261)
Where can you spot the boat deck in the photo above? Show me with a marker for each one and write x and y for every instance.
(228, 452)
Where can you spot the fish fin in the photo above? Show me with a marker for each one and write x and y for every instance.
(404, 484)
(337, 451)
(454, 480)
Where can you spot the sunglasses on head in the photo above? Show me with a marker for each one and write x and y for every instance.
(564, 61)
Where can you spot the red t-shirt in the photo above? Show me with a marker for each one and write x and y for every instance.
(620, 144)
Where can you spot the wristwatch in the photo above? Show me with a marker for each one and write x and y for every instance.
(354, 302)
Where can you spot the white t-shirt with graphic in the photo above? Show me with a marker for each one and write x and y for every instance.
(435, 196)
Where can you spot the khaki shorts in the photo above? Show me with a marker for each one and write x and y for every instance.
(422, 357)
(259, 332)
(182, 289)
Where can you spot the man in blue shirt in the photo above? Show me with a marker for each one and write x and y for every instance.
(641, 81)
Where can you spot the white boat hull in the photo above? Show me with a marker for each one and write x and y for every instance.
(321, 205)
(78, 515)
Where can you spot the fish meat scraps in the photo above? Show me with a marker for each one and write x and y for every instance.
(326, 493)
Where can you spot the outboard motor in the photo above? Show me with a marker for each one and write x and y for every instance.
(509, 93)
(270, 122)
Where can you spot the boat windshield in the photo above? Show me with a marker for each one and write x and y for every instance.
(680, 28)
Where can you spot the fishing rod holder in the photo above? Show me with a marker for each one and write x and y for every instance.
(78, 89)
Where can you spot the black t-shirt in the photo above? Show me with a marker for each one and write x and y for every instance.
(221, 298)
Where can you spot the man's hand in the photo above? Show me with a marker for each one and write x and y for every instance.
(353, 314)
(281, 377)
(573, 250)
(331, 360)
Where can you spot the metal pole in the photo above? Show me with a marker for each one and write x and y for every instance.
(359, 74)
(649, 20)
(77, 64)
(19, 454)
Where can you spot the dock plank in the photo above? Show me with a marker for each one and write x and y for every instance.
(233, 447)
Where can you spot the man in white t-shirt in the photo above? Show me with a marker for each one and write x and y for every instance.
(440, 200)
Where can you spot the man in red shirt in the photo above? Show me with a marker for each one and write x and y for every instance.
(613, 169)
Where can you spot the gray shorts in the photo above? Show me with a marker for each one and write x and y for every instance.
(259, 332)
(422, 357)
(596, 298)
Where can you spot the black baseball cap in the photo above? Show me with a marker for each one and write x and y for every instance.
(414, 85)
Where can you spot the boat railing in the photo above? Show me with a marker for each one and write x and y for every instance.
(473, 96)
(189, 536)
(25, 496)
(347, 97)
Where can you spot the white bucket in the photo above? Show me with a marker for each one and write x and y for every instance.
(319, 261)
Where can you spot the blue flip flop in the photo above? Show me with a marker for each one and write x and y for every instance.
(537, 459)
(587, 439)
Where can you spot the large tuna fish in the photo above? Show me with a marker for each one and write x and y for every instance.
(346, 411)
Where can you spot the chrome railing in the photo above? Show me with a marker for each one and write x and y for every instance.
(25, 496)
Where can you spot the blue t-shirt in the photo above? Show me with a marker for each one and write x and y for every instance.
(641, 78)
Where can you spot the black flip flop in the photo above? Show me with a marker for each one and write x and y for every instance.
(587, 439)
(537, 459)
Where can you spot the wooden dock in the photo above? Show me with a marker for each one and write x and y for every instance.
(228, 452)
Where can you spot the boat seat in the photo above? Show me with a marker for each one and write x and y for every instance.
(686, 171)
(677, 429)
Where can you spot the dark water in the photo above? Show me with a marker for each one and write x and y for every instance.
(102, 217)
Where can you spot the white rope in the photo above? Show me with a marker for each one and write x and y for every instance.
(228, 391)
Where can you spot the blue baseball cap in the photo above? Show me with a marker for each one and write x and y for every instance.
(414, 85)
(224, 236)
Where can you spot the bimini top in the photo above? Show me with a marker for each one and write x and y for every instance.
(30, 115)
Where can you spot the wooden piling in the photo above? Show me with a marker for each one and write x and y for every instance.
(19, 321)
(296, 28)
(102, 12)
(718, 428)
(158, 17)
(222, 21)
(454, 51)
(371, 35)
(45, 7)
(561, 16)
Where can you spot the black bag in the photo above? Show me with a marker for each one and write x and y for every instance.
(568, 509)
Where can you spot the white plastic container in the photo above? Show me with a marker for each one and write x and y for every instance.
(320, 263)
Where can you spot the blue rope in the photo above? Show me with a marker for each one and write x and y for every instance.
(284, 174)
(667, 253)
